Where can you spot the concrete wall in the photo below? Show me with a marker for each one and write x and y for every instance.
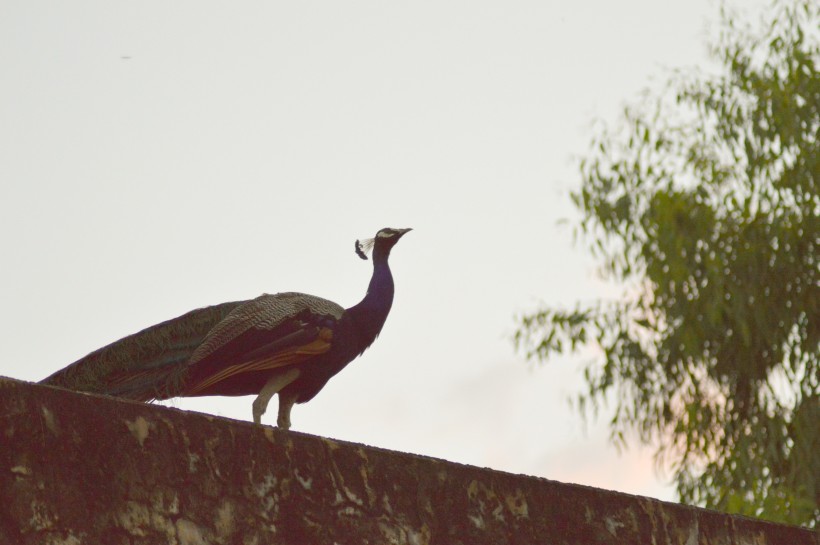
(77, 468)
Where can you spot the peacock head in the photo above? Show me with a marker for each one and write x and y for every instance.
(381, 244)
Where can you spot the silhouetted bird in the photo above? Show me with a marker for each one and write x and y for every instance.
(287, 343)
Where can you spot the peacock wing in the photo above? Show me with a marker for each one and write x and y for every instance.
(266, 333)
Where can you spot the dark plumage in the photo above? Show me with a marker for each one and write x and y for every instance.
(287, 343)
(138, 366)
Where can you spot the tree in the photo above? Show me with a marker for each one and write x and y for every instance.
(703, 204)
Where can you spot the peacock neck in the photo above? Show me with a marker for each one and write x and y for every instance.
(371, 312)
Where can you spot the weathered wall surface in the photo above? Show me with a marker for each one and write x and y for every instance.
(78, 468)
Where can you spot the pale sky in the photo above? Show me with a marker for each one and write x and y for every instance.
(157, 156)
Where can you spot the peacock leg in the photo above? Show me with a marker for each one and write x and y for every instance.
(276, 383)
(286, 402)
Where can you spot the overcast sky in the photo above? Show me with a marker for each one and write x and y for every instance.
(161, 156)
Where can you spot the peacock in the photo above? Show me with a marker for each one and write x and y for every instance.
(289, 344)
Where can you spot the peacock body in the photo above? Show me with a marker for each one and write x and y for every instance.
(290, 344)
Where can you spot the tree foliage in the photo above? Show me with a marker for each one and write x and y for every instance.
(704, 204)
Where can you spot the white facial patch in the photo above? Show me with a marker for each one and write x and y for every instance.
(386, 233)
